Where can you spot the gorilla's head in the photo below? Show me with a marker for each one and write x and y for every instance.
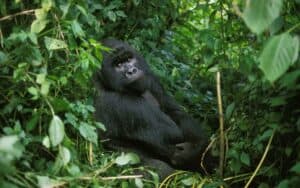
(123, 69)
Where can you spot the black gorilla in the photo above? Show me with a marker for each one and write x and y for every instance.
(140, 116)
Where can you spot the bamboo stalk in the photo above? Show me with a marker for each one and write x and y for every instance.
(221, 122)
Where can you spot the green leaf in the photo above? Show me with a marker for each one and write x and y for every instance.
(33, 91)
(3, 57)
(266, 135)
(54, 44)
(278, 55)
(8, 146)
(33, 38)
(40, 14)
(258, 15)
(112, 16)
(40, 78)
(65, 9)
(121, 14)
(136, 2)
(276, 25)
(60, 104)
(296, 168)
(128, 158)
(45, 88)
(288, 151)
(283, 184)
(56, 131)
(76, 28)
(82, 10)
(100, 126)
(31, 124)
(188, 181)
(88, 132)
(245, 158)
(74, 170)
(46, 142)
(38, 25)
(47, 4)
(289, 79)
(65, 155)
(229, 110)
(72, 119)
(277, 101)
(46, 182)
(138, 182)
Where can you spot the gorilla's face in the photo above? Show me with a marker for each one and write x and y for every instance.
(124, 70)
(126, 65)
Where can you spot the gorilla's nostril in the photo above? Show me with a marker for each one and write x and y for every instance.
(134, 70)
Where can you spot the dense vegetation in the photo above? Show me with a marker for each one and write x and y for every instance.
(50, 48)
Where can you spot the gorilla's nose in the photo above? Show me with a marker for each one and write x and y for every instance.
(131, 70)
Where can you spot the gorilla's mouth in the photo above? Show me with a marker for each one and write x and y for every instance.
(139, 74)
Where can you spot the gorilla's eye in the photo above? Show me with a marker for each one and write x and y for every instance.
(128, 59)
(119, 64)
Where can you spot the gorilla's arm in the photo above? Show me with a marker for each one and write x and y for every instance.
(191, 129)
(135, 120)
(195, 138)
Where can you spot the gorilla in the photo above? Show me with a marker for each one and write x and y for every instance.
(140, 116)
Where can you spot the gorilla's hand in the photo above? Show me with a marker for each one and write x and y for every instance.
(183, 153)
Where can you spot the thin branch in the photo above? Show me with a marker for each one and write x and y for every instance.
(164, 182)
(261, 161)
(114, 177)
(17, 14)
(204, 154)
(121, 177)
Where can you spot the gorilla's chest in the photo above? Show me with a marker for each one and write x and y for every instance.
(150, 99)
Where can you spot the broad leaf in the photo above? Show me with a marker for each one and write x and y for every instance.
(88, 132)
(245, 158)
(40, 78)
(56, 131)
(280, 53)
(229, 110)
(65, 155)
(296, 168)
(40, 14)
(38, 25)
(138, 183)
(128, 158)
(45, 88)
(54, 44)
(46, 182)
(188, 181)
(259, 14)
(8, 146)
(100, 126)
(46, 142)
(76, 28)
(112, 16)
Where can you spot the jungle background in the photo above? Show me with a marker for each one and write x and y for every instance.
(50, 48)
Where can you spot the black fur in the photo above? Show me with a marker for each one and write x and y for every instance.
(141, 117)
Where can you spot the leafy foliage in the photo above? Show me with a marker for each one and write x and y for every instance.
(50, 48)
